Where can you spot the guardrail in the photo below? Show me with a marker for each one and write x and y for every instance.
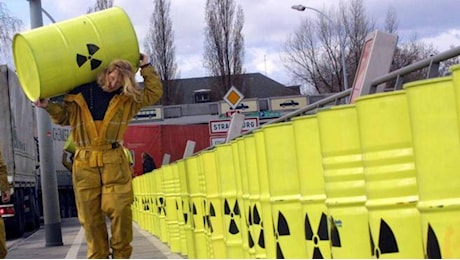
(432, 63)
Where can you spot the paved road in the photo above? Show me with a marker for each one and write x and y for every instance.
(145, 245)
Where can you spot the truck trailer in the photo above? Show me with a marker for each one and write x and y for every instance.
(19, 147)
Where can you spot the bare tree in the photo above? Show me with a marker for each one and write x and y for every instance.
(9, 25)
(358, 25)
(224, 42)
(407, 52)
(312, 54)
(314, 51)
(159, 45)
(100, 5)
(445, 65)
(391, 21)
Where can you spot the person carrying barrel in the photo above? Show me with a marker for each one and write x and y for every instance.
(99, 113)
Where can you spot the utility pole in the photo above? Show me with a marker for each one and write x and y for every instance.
(53, 232)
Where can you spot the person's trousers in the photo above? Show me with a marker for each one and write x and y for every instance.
(104, 191)
(3, 249)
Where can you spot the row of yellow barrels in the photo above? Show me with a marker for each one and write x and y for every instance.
(374, 179)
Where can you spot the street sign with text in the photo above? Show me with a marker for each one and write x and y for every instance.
(222, 126)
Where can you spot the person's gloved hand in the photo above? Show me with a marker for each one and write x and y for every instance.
(43, 103)
(144, 61)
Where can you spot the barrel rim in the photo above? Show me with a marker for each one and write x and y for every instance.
(424, 82)
(380, 95)
(27, 90)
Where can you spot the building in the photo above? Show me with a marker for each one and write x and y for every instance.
(195, 103)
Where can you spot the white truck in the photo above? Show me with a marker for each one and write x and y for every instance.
(18, 144)
(67, 206)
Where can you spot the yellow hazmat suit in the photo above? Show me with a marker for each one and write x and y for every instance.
(3, 187)
(101, 172)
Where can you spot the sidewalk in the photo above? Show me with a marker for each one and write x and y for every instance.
(145, 245)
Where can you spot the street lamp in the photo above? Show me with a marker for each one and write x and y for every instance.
(342, 43)
(48, 15)
(49, 181)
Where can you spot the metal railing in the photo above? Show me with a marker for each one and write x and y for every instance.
(335, 99)
(432, 63)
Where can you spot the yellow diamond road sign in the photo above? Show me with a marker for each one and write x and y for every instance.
(233, 97)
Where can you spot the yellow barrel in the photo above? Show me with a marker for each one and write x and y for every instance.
(143, 207)
(53, 59)
(242, 194)
(149, 198)
(137, 205)
(142, 203)
(177, 203)
(196, 205)
(205, 219)
(344, 182)
(180, 205)
(435, 131)
(390, 173)
(312, 190)
(171, 188)
(254, 211)
(140, 200)
(280, 152)
(213, 208)
(232, 219)
(160, 204)
(189, 242)
(267, 235)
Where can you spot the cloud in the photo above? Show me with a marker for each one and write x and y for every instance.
(267, 25)
(445, 40)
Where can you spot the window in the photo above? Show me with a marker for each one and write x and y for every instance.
(202, 95)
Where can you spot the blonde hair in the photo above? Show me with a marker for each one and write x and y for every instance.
(126, 75)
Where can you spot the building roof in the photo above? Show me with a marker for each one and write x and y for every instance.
(181, 91)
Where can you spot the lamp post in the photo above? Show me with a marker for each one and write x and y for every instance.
(342, 43)
(48, 15)
(50, 197)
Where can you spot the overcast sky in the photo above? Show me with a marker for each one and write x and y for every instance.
(267, 25)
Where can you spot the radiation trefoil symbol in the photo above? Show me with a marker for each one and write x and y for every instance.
(255, 219)
(82, 59)
(194, 213)
(433, 250)
(145, 204)
(321, 235)
(161, 206)
(233, 227)
(335, 235)
(282, 229)
(187, 210)
(207, 218)
(387, 241)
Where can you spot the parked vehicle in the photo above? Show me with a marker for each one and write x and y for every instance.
(67, 206)
(19, 149)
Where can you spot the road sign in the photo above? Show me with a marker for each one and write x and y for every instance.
(233, 97)
(231, 112)
(217, 139)
(288, 102)
(244, 106)
(375, 61)
(222, 126)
